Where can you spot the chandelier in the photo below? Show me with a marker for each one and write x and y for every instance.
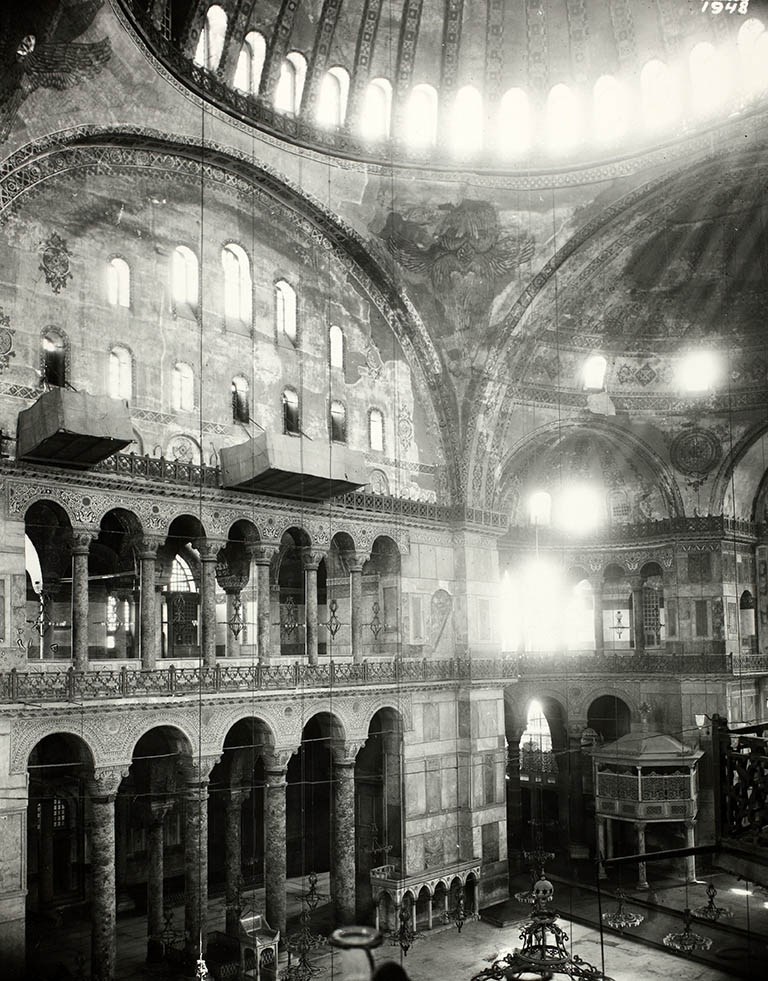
(621, 918)
(710, 911)
(544, 951)
(687, 942)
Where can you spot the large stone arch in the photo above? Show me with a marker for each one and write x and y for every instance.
(113, 151)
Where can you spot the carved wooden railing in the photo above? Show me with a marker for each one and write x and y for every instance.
(742, 771)
(66, 684)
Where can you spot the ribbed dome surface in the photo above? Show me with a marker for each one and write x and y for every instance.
(496, 47)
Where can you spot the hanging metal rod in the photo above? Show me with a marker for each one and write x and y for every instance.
(660, 856)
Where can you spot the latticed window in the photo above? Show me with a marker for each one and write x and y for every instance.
(237, 283)
(652, 606)
(240, 407)
(118, 282)
(291, 423)
(120, 373)
(338, 422)
(211, 44)
(182, 580)
(285, 310)
(377, 109)
(59, 813)
(184, 276)
(376, 430)
(250, 63)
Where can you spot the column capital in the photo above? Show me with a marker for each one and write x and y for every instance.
(81, 540)
(311, 558)
(106, 780)
(261, 553)
(235, 796)
(197, 770)
(276, 761)
(356, 560)
(147, 545)
(345, 753)
(208, 548)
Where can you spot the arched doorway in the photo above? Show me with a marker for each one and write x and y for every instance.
(378, 803)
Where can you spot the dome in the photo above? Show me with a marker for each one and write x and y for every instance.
(485, 83)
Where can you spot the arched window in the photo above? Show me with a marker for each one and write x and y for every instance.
(291, 422)
(610, 110)
(118, 282)
(250, 63)
(285, 311)
(376, 430)
(593, 373)
(338, 422)
(660, 95)
(332, 100)
(537, 734)
(53, 359)
(564, 124)
(290, 85)
(182, 387)
(336, 346)
(467, 121)
(752, 41)
(540, 508)
(514, 137)
(421, 116)
(377, 109)
(240, 408)
(747, 618)
(120, 373)
(237, 283)
(182, 580)
(709, 82)
(211, 43)
(184, 276)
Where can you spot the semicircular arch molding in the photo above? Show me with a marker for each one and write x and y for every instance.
(403, 707)
(591, 694)
(624, 441)
(282, 730)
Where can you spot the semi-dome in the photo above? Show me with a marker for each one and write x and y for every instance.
(486, 83)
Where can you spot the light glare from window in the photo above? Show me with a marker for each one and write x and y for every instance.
(421, 116)
(467, 121)
(594, 373)
(698, 371)
(539, 508)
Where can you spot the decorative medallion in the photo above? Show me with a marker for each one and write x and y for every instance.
(183, 449)
(54, 262)
(695, 452)
(6, 340)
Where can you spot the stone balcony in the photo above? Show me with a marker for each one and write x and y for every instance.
(58, 681)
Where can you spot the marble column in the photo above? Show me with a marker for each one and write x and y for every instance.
(208, 555)
(261, 556)
(103, 791)
(274, 843)
(597, 597)
(690, 860)
(575, 803)
(196, 857)
(343, 840)
(355, 566)
(602, 874)
(642, 881)
(81, 543)
(147, 610)
(156, 882)
(233, 859)
(638, 618)
(311, 561)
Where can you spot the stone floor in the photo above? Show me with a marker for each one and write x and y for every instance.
(443, 954)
